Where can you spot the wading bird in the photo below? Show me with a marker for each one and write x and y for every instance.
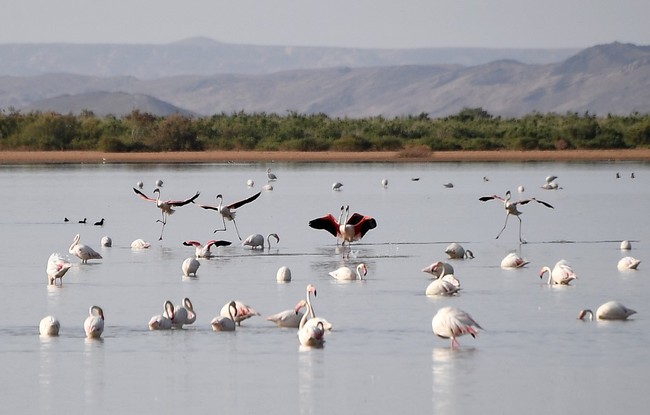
(439, 268)
(311, 331)
(451, 322)
(628, 262)
(226, 323)
(243, 311)
(348, 229)
(166, 206)
(611, 310)
(513, 260)
(187, 310)
(94, 323)
(49, 326)
(57, 266)
(106, 241)
(229, 211)
(163, 321)
(190, 266)
(140, 244)
(83, 252)
(272, 177)
(456, 251)
(511, 209)
(289, 318)
(257, 240)
(203, 251)
(346, 274)
(561, 274)
(448, 284)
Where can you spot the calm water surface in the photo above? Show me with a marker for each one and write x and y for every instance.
(533, 357)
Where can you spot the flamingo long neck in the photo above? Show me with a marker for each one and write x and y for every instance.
(75, 241)
(310, 309)
(268, 240)
(359, 274)
(550, 275)
(230, 307)
(169, 308)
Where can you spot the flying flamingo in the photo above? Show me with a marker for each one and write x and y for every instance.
(166, 206)
(257, 240)
(226, 323)
(94, 323)
(49, 326)
(163, 321)
(83, 252)
(511, 209)
(346, 274)
(57, 266)
(439, 268)
(203, 251)
(311, 331)
(456, 251)
(628, 262)
(243, 311)
(190, 266)
(289, 318)
(512, 260)
(451, 322)
(349, 229)
(611, 310)
(228, 211)
(562, 273)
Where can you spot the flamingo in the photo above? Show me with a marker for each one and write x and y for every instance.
(283, 274)
(311, 331)
(257, 240)
(628, 262)
(203, 251)
(626, 245)
(243, 312)
(511, 209)
(445, 285)
(550, 183)
(512, 260)
(611, 310)
(439, 268)
(562, 273)
(49, 326)
(94, 323)
(289, 318)
(456, 251)
(451, 322)
(140, 244)
(226, 323)
(267, 188)
(337, 186)
(106, 241)
(190, 266)
(384, 183)
(57, 266)
(186, 310)
(346, 274)
(83, 252)
(163, 321)
(178, 316)
(272, 177)
(250, 183)
(349, 229)
(228, 211)
(166, 206)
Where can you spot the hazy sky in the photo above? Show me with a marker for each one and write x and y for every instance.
(339, 23)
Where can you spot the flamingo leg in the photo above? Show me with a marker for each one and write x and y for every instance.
(454, 343)
(223, 219)
(164, 222)
(504, 226)
(520, 240)
(235, 223)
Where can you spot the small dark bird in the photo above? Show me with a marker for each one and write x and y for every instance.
(66, 220)
(83, 221)
(100, 222)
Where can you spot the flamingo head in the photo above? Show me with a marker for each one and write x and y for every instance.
(584, 313)
(544, 271)
(363, 269)
(433, 268)
(169, 308)
(311, 289)
(301, 304)
(156, 190)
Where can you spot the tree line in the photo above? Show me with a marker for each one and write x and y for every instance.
(470, 129)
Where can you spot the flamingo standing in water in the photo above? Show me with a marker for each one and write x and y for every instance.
(257, 240)
(94, 323)
(203, 251)
(439, 268)
(186, 310)
(140, 244)
(445, 285)
(166, 206)
(611, 310)
(513, 260)
(49, 326)
(511, 209)
(451, 322)
(163, 321)
(190, 266)
(228, 211)
(311, 331)
(83, 252)
(562, 273)
(456, 251)
(57, 266)
(628, 262)
(346, 274)
(289, 318)
(348, 228)
(243, 311)
(226, 323)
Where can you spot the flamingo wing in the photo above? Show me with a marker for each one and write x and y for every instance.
(183, 202)
(243, 202)
(210, 207)
(362, 224)
(215, 242)
(548, 205)
(327, 223)
(192, 243)
(142, 195)
(486, 198)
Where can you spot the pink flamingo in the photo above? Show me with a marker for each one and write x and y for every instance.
(203, 251)
(349, 229)
(451, 322)
(228, 211)
(166, 206)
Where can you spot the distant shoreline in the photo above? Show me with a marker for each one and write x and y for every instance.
(89, 157)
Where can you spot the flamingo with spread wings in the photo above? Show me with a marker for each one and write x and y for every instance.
(203, 251)
(166, 206)
(228, 211)
(349, 228)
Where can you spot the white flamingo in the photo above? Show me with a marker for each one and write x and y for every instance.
(94, 323)
(289, 318)
(283, 274)
(185, 310)
(140, 244)
(166, 206)
(611, 310)
(203, 251)
(229, 211)
(513, 260)
(626, 245)
(562, 273)
(456, 251)
(439, 268)
(451, 323)
(311, 331)
(346, 274)
(190, 266)
(83, 252)
(226, 323)
(445, 285)
(243, 312)
(49, 326)
(57, 266)
(272, 177)
(106, 241)
(511, 209)
(257, 240)
(163, 321)
(627, 263)
(550, 183)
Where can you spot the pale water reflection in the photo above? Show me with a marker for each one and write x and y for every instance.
(533, 357)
